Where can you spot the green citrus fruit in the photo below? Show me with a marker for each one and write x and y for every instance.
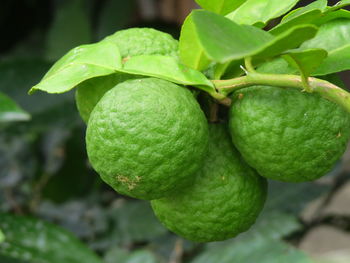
(144, 41)
(224, 200)
(91, 91)
(131, 42)
(286, 134)
(147, 136)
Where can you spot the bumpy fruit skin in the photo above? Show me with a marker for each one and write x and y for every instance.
(147, 136)
(286, 134)
(131, 42)
(224, 200)
(91, 91)
(144, 41)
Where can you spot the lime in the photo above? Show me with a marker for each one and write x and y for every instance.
(144, 41)
(224, 200)
(286, 134)
(147, 136)
(131, 42)
(91, 91)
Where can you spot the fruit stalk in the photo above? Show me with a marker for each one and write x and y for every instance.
(326, 89)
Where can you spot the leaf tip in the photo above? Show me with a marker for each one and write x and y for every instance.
(32, 90)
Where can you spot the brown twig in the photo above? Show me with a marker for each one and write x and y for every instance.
(214, 108)
(177, 253)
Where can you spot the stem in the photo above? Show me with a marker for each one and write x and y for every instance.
(304, 78)
(214, 108)
(326, 89)
(249, 65)
(305, 81)
(177, 253)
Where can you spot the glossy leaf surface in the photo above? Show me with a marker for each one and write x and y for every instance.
(190, 49)
(309, 17)
(329, 16)
(317, 5)
(79, 64)
(292, 38)
(260, 11)
(221, 7)
(37, 241)
(224, 40)
(334, 37)
(167, 68)
(10, 111)
(340, 4)
(306, 60)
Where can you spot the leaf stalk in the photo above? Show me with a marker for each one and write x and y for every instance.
(326, 89)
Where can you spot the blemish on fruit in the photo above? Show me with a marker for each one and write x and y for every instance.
(122, 178)
(131, 184)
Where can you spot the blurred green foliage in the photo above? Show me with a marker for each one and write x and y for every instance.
(44, 172)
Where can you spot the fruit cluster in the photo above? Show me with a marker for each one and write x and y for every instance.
(149, 138)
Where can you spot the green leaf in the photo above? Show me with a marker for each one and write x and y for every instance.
(339, 5)
(317, 5)
(19, 74)
(336, 62)
(315, 13)
(224, 40)
(142, 256)
(260, 11)
(221, 7)
(289, 39)
(79, 64)
(334, 37)
(124, 256)
(2, 236)
(303, 15)
(233, 69)
(280, 195)
(220, 69)
(33, 240)
(61, 37)
(329, 16)
(258, 250)
(305, 60)
(167, 68)
(135, 222)
(10, 111)
(191, 52)
(116, 252)
(271, 225)
(308, 17)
